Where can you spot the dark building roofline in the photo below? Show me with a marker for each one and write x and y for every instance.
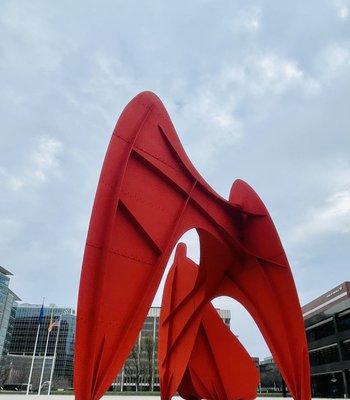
(5, 271)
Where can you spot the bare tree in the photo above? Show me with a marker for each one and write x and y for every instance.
(5, 370)
(139, 366)
(147, 359)
(271, 378)
(133, 367)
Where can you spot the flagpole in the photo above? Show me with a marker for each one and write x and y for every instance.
(44, 360)
(33, 357)
(54, 357)
(35, 346)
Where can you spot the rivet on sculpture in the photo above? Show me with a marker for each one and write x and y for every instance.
(149, 194)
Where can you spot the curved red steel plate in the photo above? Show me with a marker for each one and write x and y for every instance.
(208, 362)
(148, 195)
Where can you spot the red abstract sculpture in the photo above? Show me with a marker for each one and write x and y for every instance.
(208, 361)
(148, 196)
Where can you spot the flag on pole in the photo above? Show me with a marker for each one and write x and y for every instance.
(54, 324)
(51, 321)
(41, 317)
(58, 324)
(45, 354)
(41, 314)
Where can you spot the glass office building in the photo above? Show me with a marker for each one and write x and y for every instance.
(140, 371)
(8, 304)
(327, 323)
(22, 343)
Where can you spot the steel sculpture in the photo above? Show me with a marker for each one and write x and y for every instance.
(149, 194)
(208, 361)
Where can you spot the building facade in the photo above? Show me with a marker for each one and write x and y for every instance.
(21, 347)
(8, 304)
(140, 371)
(270, 377)
(327, 324)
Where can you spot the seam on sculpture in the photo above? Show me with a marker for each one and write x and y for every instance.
(277, 255)
(94, 245)
(122, 138)
(164, 174)
(262, 260)
(148, 108)
(135, 220)
(104, 183)
(154, 155)
(176, 153)
(126, 255)
(159, 158)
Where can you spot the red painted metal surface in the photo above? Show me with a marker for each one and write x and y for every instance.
(208, 361)
(148, 195)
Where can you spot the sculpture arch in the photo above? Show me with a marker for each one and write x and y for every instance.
(148, 195)
(208, 360)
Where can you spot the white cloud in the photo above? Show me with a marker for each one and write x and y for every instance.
(271, 73)
(109, 84)
(263, 74)
(246, 20)
(42, 163)
(333, 216)
(29, 25)
(335, 58)
(212, 107)
(208, 104)
(222, 127)
(341, 8)
(45, 158)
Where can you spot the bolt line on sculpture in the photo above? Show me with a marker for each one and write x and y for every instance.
(149, 194)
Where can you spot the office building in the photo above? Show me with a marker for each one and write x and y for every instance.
(8, 304)
(327, 323)
(21, 347)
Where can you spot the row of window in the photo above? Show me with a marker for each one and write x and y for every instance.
(327, 327)
(330, 354)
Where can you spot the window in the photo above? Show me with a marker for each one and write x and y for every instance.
(324, 355)
(321, 330)
(346, 349)
(344, 321)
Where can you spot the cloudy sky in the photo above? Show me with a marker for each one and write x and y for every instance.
(257, 90)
